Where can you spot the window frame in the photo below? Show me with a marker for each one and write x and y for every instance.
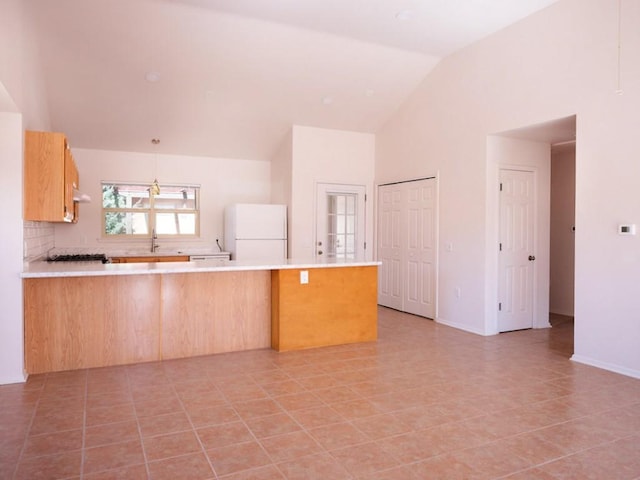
(151, 211)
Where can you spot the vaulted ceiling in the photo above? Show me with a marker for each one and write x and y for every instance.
(228, 78)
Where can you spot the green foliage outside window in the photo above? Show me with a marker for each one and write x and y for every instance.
(114, 221)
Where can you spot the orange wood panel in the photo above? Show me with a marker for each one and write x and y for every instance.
(337, 306)
(83, 322)
(215, 312)
(44, 176)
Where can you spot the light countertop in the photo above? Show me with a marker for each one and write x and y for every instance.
(43, 269)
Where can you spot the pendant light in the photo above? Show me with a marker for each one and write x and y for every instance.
(154, 189)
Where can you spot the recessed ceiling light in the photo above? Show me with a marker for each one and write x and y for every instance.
(152, 77)
(327, 100)
(369, 92)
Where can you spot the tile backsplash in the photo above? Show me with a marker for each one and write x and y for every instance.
(38, 239)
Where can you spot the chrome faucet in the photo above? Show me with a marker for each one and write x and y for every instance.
(154, 238)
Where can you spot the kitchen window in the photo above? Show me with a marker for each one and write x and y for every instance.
(129, 209)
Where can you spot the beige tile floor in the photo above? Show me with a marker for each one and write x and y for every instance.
(424, 402)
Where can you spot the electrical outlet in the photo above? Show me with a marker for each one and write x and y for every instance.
(457, 291)
(304, 277)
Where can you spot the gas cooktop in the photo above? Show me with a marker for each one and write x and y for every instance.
(81, 257)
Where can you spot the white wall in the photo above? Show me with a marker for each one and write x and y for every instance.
(21, 107)
(556, 63)
(563, 211)
(281, 186)
(326, 156)
(11, 339)
(20, 70)
(222, 182)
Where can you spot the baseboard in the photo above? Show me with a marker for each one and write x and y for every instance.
(606, 366)
(9, 379)
(460, 326)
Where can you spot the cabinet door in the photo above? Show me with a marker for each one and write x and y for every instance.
(44, 169)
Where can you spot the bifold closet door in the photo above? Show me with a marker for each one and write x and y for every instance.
(390, 274)
(406, 246)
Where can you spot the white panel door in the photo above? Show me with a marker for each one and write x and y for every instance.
(420, 249)
(390, 273)
(406, 246)
(516, 250)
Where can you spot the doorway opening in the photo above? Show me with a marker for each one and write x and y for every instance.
(554, 268)
(562, 235)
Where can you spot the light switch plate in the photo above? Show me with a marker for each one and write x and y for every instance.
(304, 277)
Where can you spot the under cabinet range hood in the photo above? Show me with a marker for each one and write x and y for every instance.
(80, 197)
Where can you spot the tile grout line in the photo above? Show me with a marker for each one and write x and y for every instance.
(256, 439)
(84, 424)
(193, 429)
(140, 436)
(28, 430)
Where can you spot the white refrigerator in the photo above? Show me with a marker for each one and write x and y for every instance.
(255, 231)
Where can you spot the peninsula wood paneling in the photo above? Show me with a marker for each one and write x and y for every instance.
(337, 306)
(215, 312)
(83, 322)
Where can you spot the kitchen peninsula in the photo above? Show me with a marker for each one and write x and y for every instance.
(95, 315)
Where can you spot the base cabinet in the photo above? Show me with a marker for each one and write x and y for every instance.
(215, 312)
(84, 322)
(336, 306)
(98, 321)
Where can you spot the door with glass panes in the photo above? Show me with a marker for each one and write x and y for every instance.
(340, 221)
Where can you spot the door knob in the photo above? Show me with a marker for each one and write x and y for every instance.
(319, 244)
(532, 258)
(319, 252)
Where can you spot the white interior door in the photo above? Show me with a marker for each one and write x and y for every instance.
(340, 221)
(516, 250)
(407, 246)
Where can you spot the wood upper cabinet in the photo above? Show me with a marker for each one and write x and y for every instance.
(50, 176)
